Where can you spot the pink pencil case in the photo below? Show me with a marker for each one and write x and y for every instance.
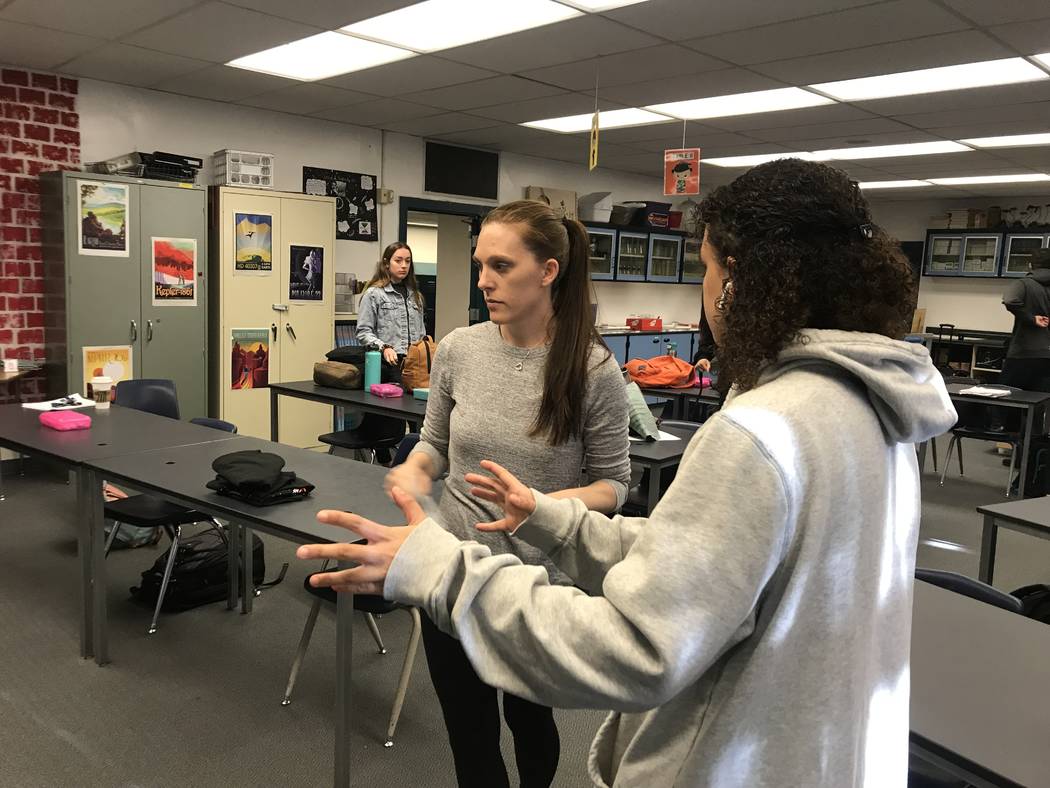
(387, 390)
(65, 420)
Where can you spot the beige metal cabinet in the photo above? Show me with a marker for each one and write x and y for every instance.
(254, 303)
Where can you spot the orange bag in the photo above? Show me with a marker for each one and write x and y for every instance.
(662, 372)
(415, 372)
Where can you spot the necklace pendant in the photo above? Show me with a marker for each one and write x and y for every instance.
(519, 367)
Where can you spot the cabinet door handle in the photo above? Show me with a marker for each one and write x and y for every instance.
(290, 330)
(134, 332)
(273, 328)
(149, 330)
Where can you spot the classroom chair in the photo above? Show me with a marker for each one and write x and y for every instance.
(375, 433)
(967, 586)
(159, 397)
(973, 425)
(372, 606)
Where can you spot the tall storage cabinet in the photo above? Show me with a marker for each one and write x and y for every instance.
(107, 300)
(298, 332)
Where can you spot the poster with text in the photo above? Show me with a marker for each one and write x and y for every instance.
(102, 213)
(251, 358)
(253, 253)
(682, 171)
(356, 210)
(306, 273)
(174, 271)
(113, 361)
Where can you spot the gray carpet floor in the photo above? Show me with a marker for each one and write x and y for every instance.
(198, 703)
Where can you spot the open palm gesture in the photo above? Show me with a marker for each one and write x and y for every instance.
(503, 489)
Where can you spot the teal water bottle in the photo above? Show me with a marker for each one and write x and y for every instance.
(373, 360)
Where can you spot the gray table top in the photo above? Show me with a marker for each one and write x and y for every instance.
(407, 406)
(1032, 511)
(661, 451)
(980, 683)
(693, 391)
(113, 432)
(1020, 397)
(341, 483)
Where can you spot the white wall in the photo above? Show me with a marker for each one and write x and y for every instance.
(424, 243)
(674, 303)
(453, 282)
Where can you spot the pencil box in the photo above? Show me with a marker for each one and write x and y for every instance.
(387, 390)
(65, 420)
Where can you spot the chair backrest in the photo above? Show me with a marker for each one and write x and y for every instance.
(215, 424)
(684, 426)
(967, 586)
(153, 395)
(405, 448)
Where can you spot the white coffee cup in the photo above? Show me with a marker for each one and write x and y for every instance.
(10, 365)
(101, 386)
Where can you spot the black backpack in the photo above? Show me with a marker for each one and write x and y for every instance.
(200, 574)
(1035, 601)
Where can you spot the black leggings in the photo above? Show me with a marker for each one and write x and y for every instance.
(471, 711)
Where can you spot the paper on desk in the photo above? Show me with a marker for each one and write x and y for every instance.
(663, 436)
(985, 391)
(81, 403)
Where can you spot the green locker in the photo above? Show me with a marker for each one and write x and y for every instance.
(124, 266)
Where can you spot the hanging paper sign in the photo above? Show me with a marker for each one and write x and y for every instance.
(305, 273)
(682, 171)
(250, 358)
(593, 158)
(174, 271)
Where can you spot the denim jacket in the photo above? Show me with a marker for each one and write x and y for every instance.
(384, 317)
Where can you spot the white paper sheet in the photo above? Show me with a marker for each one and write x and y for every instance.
(663, 436)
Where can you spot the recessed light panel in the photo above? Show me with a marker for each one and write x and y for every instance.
(600, 5)
(1030, 177)
(890, 151)
(608, 119)
(319, 57)
(892, 184)
(441, 24)
(1010, 141)
(741, 104)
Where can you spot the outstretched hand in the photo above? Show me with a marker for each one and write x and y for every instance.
(504, 489)
(374, 558)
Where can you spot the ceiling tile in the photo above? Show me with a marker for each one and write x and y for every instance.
(856, 27)
(689, 86)
(1002, 11)
(440, 124)
(677, 20)
(128, 65)
(1033, 114)
(543, 108)
(955, 101)
(100, 18)
(1028, 38)
(409, 76)
(327, 14)
(793, 117)
(377, 112)
(845, 129)
(943, 50)
(483, 93)
(979, 128)
(36, 47)
(219, 33)
(623, 68)
(498, 136)
(574, 39)
(306, 98)
(748, 149)
(833, 142)
(222, 83)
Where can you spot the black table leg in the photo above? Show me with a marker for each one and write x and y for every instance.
(989, 534)
(343, 708)
(273, 415)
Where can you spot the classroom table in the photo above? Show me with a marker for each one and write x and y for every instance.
(115, 431)
(407, 407)
(680, 398)
(1031, 516)
(657, 455)
(179, 475)
(1028, 401)
(10, 378)
(980, 690)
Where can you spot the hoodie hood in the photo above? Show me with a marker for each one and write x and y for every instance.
(904, 388)
(1041, 275)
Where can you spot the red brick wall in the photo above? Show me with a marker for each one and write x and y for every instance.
(39, 131)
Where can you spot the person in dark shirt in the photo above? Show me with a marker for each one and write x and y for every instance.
(1028, 300)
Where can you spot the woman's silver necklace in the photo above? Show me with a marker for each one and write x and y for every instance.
(521, 364)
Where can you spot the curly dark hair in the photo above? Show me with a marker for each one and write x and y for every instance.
(805, 254)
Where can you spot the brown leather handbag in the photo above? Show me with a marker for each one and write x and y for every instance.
(338, 375)
(415, 373)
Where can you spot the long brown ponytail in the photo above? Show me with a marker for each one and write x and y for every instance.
(565, 375)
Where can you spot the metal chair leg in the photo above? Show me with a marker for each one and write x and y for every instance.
(947, 458)
(933, 451)
(2, 496)
(167, 576)
(373, 627)
(958, 448)
(1013, 464)
(112, 536)
(300, 653)
(406, 674)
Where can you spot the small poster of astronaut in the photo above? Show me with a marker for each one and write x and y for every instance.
(306, 273)
(356, 210)
(682, 171)
(253, 244)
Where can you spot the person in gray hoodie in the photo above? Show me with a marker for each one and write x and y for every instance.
(1028, 300)
(755, 629)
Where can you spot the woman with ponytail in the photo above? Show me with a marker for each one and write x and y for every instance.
(537, 388)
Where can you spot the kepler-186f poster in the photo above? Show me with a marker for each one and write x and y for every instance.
(174, 271)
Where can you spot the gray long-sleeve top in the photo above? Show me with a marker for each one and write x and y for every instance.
(481, 408)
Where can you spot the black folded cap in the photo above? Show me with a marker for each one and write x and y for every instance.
(250, 470)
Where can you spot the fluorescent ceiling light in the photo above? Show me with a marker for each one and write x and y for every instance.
(608, 119)
(441, 24)
(933, 80)
(845, 154)
(1043, 58)
(1010, 141)
(892, 184)
(1021, 178)
(741, 104)
(600, 5)
(321, 56)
